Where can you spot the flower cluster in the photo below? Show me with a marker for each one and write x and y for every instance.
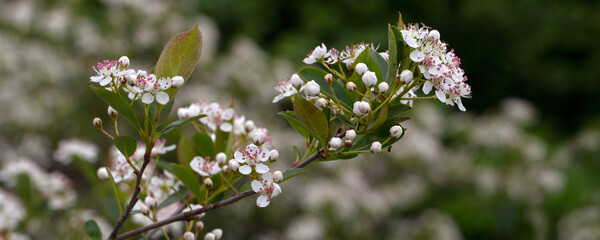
(68, 149)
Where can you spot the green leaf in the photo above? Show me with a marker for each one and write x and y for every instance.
(179, 56)
(312, 118)
(164, 112)
(344, 119)
(296, 123)
(185, 151)
(292, 173)
(247, 186)
(115, 190)
(179, 122)
(395, 51)
(381, 63)
(119, 103)
(369, 58)
(173, 198)
(319, 76)
(164, 165)
(396, 112)
(188, 179)
(382, 116)
(93, 230)
(204, 145)
(126, 145)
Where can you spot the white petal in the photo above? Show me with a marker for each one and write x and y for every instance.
(460, 105)
(245, 169)
(96, 78)
(162, 97)
(227, 114)
(427, 87)
(310, 60)
(417, 56)
(226, 127)
(264, 156)
(278, 97)
(105, 81)
(276, 190)
(262, 201)
(147, 98)
(257, 186)
(440, 95)
(239, 157)
(261, 168)
(215, 169)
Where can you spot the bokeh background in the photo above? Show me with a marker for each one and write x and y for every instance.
(521, 163)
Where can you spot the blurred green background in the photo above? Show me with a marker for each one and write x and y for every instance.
(522, 168)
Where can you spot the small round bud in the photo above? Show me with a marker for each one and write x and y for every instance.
(209, 236)
(189, 236)
(296, 81)
(199, 226)
(321, 103)
(396, 131)
(335, 143)
(112, 112)
(102, 173)
(328, 78)
(221, 157)
(277, 176)
(249, 125)
(218, 233)
(208, 183)
(369, 79)
(383, 87)
(351, 86)
(350, 134)
(312, 88)
(124, 61)
(225, 169)
(274, 155)
(144, 209)
(177, 81)
(97, 122)
(434, 35)
(361, 108)
(406, 76)
(233, 165)
(183, 113)
(347, 143)
(150, 201)
(132, 79)
(350, 65)
(361, 68)
(376, 147)
(259, 137)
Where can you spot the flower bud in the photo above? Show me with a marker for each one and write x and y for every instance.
(347, 143)
(209, 236)
(383, 87)
(150, 201)
(208, 183)
(221, 157)
(249, 125)
(350, 134)
(233, 165)
(361, 68)
(328, 78)
(112, 113)
(259, 137)
(97, 122)
(189, 236)
(102, 173)
(434, 35)
(274, 155)
(132, 79)
(361, 108)
(369, 79)
(396, 131)
(225, 169)
(406, 76)
(124, 61)
(144, 209)
(218, 233)
(277, 176)
(312, 88)
(351, 86)
(177, 81)
(335, 143)
(199, 226)
(349, 65)
(321, 103)
(376, 147)
(296, 81)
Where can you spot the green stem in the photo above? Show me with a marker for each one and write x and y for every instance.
(419, 98)
(333, 71)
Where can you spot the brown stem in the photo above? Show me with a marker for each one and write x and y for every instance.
(189, 215)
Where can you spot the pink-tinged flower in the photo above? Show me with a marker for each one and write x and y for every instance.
(266, 188)
(252, 157)
(204, 167)
(285, 89)
(160, 148)
(218, 117)
(110, 72)
(317, 54)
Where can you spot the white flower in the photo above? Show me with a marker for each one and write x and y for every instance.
(11, 211)
(382, 87)
(311, 88)
(335, 143)
(361, 68)
(252, 158)
(110, 72)
(160, 148)
(296, 81)
(361, 108)
(376, 147)
(318, 53)
(203, 167)
(266, 188)
(238, 125)
(396, 131)
(158, 92)
(71, 148)
(218, 117)
(369, 79)
(285, 89)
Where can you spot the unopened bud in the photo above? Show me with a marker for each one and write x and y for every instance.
(361, 108)
(234, 165)
(259, 137)
(124, 61)
(347, 143)
(274, 155)
(218, 233)
(361, 69)
(277, 176)
(249, 125)
(221, 158)
(150, 201)
(177, 81)
(296, 81)
(312, 88)
(189, 236)
(351, 86)
(328, 78)
(321, 103)
(225, 169)
(434, 35)
(383, 87)
(369, 79)
(396, 131)
(349, 65)
(145, 210)
(335, 143)
(350, 134)
(132, 79)
(209, 236)
(406, 76)
(208, 183)
(376, 147)
(199, 226)
(97, 122)
(102, 173)
(112, 113)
